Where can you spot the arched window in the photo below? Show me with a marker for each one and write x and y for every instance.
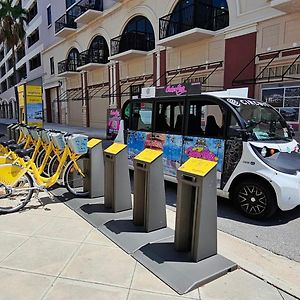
(138, 35)
(98, 51)
(206, 14)
(72, 60)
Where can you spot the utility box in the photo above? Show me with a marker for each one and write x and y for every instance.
(149, 209)
(94, 169)
(117, 190)
(196, 209)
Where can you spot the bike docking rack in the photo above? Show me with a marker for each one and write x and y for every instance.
(13, 131)
(147, 222)
(190, 259)
(117, 196)
(94, 169)
(9, 131)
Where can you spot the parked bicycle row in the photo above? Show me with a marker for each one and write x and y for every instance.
(38, 160)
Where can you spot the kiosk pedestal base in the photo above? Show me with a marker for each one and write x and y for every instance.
(130, 237)
(176, 269)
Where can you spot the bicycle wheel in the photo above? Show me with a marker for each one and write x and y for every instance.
(74, 181)
(39, 160)
(12, 201)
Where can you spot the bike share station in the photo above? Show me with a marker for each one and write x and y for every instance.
(184, 259)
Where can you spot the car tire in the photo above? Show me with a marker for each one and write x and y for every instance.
(255, 199)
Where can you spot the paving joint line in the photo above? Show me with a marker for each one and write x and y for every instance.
(268, 282)
(65, 265)
(131, 281)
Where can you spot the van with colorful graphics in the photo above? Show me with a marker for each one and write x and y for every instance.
(258, 161)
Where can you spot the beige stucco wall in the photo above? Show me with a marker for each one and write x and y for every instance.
(245, 16)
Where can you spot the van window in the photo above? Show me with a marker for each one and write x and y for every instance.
(205, 119)
(169, 117)
(234, 128)
(141, 116)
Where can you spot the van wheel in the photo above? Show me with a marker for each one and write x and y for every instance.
(255, 199)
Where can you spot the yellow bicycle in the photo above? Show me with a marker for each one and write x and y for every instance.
(19, 181)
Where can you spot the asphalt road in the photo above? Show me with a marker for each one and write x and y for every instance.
(279, 235)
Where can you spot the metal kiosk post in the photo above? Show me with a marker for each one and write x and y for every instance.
(149, 209)
(117, 192)
(196, 215)
(94, 168)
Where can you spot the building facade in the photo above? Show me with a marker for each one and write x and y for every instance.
(28, 57)
(100, 53)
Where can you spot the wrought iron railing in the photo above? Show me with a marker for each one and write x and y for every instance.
(68, 65)
(134, 40)
(84, 5)
(196, 15)
(97, 56)
(65, 21)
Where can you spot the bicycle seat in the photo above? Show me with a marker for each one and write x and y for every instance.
(24, 152)
(10, 142)
(14, 147)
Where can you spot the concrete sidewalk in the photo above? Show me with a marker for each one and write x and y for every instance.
(91, 132)
(48, 252)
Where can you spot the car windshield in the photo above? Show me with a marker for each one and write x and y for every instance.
(262, 121)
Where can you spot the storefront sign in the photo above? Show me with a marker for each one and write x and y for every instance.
(180, 89)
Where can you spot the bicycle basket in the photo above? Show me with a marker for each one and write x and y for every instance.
(45, 137)
(24, 130)
(78, 143)
(58, 140)
(35, 134)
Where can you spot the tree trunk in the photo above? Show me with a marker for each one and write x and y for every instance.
(15, 81)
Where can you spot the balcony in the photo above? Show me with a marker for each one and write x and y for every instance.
(67, 68)
(287, 6)
(65, 25)
(131, 45)
(194, 22)
(87, 10)
(90, 60)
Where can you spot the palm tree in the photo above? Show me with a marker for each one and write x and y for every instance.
(12, 31)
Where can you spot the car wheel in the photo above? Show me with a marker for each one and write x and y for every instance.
(255, 199)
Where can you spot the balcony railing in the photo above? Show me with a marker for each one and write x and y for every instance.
(68, 65)
(96, 56)
(196, 15)
(84, 5)
(134, 40)
(65, 21)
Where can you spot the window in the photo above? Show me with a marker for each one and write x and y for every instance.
(22, 73)
(49, 15)
(3, 86)
(52, 71)
(33, 37)
(1, 54)
(35, 62)
(32, 12)
(142, 116)
(69, 3)
(2, 70)
(20, 53)
(10, 63)
(11, 81)
(205, 119)
(169, 117)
